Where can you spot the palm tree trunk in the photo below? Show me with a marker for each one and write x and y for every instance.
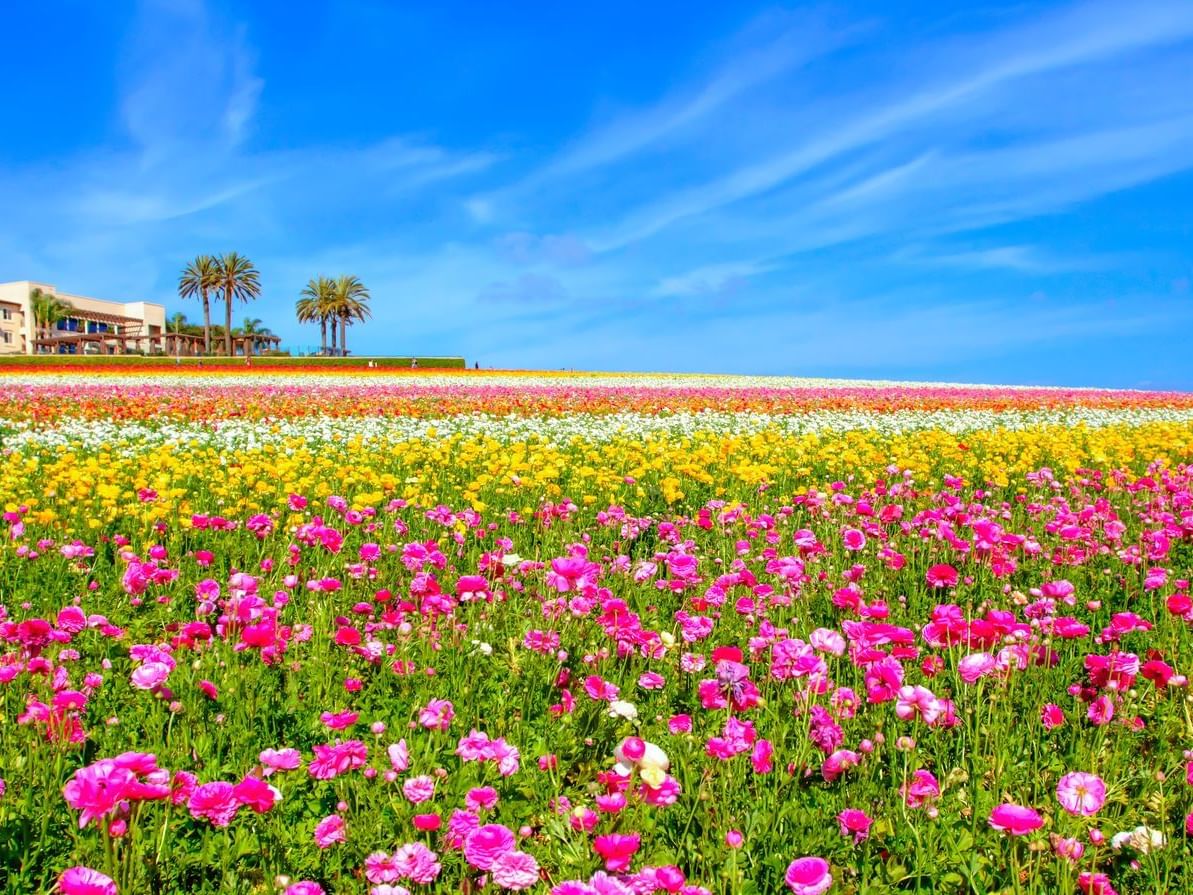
(206, 323)
(228, 320)
(333, 335)
(344, 337)
(323, 335)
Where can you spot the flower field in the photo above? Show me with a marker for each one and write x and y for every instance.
(389, 632)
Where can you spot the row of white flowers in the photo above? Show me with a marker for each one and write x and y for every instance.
(236, 434)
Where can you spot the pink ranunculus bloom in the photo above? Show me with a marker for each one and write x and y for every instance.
(1081, 794)
(399, 756)
(416, 862)
(1015, 819)
(1101, 711)
(304, 887)
(85, 881)
(942, 575)
(97, 789)
(617, 850)
(150, 675)
(808, 876)
(1052, 716)
(419, 789)
(1095, 884)
(855, 824)
(330, 830)
(480, 798)
(486, 844)
(514, 870)
(254, 793)
(215, 802)
(920, 789)
(280, 760)
(437, 715)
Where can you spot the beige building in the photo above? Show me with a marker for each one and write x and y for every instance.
(90, 325)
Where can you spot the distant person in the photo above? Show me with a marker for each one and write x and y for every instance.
(476, 365)
(414, 363)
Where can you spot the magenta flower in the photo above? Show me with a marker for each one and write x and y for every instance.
(215, 802)
(808, 876)
(617, 850)
(920, 789)
(419, 789)
(1081, 794)
(487, 844)
(330, 830)
(85, 881)
(514, 870)
(437, 715)
(1015, 819)
(942, 575)
(855, 823)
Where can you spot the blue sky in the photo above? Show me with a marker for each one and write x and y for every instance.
(1000, 193)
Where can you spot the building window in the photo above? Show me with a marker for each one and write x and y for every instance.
(7, 338)
(7, 313)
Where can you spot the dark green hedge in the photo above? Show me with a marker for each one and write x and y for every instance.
(133, 360)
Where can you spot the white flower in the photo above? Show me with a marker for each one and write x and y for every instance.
(1143, 839)
(619, 708)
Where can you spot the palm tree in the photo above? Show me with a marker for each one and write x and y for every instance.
(177, 324)
(236, 278)
(351, 303)
(318, 298)
(199, 278)
(252, 327)
(47, 310)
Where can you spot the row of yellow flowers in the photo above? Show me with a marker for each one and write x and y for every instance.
(83, 487)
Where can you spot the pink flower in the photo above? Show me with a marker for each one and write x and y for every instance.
(1095, 884)
(151, 675)
(215, 802)
(437, 715)
(1052, 716)
(515, 870)
(855, 823)
(942, 575)
(280, 760)
(1101, 711)
(679, 724)
(97, 789)
(734, 839)
(808, 876)
(256, 794)
(617, 850)
(1081, 794)
(427, 823)
(399, 756)
(417, 862)
(920, 789)
(85, 881)
(854, 540)
(419, 789)
(304, 887)
(1015, 819)
(487, 844)
(330, 830)
(480, 797)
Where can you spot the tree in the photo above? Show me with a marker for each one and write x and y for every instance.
(199, 278)
(177, 324)
(236, 278)
(318, 298)
(47, 309)
(253, 327)
(351, 303)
